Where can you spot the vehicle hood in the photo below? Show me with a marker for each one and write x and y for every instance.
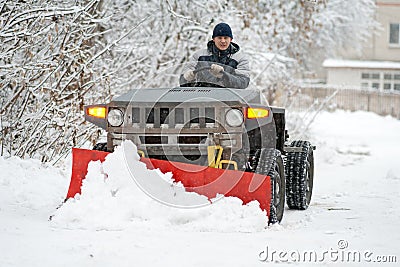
(190, 94)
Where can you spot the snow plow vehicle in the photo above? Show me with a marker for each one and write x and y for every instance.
(213, 140)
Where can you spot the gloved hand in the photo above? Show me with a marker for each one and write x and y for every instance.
(217, 70)
(189, 75)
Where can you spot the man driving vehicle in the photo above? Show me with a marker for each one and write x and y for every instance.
(221, 64)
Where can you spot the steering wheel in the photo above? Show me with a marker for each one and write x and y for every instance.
(199, 83)
(201, 69)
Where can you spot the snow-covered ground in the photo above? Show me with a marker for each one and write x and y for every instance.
(354, 213)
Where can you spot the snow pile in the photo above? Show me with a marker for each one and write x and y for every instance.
(355, 201)
(121, 193)
(30, 184)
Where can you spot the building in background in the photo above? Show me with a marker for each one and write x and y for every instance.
(379, 65)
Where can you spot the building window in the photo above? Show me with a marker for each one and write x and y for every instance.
(370, 80)
(375, 76)
(394, 34)
(364, 75)
(386, 81)
(390, 81)
(387, 86)
(387, 76)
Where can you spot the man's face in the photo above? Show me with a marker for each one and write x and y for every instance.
(222, 42)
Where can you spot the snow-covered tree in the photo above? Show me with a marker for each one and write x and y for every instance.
(166, 35)
(341, 26)
(47, 74)
(58, 55)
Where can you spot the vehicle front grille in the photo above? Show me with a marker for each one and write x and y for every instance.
(181, 127)
(154, 139)
(172, 139)
(173, 117)
(191, 139)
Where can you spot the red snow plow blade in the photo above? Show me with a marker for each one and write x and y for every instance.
(203, 180)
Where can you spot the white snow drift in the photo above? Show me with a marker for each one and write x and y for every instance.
(113, 223)
(120, 193)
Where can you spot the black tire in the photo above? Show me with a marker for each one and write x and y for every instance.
(270, 163)
(299, 176)
(100, 147)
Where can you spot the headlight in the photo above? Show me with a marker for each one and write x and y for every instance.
(115, 117)
(234, 118)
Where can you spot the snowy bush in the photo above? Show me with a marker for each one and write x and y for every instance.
(57, 56)
(47, 75)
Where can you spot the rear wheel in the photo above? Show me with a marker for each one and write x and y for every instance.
(299, 175)
(270, 163)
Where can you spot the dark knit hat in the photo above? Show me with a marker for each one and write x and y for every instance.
(222, 29)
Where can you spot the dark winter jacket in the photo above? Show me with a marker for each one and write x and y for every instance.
(236, 66)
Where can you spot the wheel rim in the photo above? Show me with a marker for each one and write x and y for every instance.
(309, 181)
(308, 188)
(277, 199)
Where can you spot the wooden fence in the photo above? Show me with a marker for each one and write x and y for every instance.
(382, 103)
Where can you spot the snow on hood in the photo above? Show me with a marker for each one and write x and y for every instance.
(116, 195)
